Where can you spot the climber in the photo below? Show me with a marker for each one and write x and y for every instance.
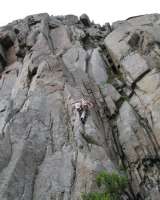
(78, 106)
(83, 107)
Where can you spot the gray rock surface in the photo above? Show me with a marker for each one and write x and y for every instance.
(47, 63)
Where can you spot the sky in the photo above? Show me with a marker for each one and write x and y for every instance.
(100, 11)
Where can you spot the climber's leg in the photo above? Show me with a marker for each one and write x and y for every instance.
(83, 116)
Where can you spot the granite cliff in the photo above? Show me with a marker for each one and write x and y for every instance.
(49, 62)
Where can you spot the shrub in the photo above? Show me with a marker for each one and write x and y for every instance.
(95, 196)
(111, 185)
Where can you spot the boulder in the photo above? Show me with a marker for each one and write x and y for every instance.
(85, 20)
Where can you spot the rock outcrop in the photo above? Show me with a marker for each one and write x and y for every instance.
(46, 64)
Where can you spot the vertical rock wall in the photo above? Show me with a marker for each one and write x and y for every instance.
(47, 63)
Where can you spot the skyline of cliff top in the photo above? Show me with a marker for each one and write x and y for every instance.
(98, 11)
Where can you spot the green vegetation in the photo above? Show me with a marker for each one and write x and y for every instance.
(111, 187)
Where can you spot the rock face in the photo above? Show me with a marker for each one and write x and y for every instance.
(46, 64)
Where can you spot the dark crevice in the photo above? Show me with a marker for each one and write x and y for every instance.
(2, 61)
(74, 177)
(139, 78)
(119, 154)
(88, 61)
(144, 123)
(108, 60)
(32, 73)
